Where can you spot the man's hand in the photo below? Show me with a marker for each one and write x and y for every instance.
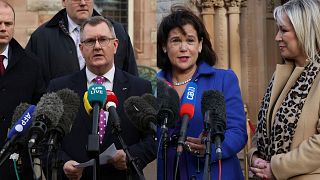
(119, 160)
(71, 171)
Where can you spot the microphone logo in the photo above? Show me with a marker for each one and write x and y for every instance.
(24, 121)
(97, 90)
(190, 93)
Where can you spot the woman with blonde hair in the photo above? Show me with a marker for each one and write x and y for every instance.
(288, 139)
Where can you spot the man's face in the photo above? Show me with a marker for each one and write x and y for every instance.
(6, 25)
(78, 10)
(98, 48)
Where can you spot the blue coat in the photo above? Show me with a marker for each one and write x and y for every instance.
(226, 82)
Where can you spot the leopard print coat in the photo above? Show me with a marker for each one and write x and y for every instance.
(298, 155)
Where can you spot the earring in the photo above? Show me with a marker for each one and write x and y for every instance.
(199, 50)
(164, 50)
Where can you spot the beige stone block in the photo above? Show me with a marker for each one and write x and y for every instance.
(18, 5)
(26, 19)
(44, 5)
(44, 18)
(20, 35)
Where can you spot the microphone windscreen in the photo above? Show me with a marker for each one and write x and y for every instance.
(140, 113)
(189, 100)
(151, 100)
(169, 103)
(213, 100)
(97, 94)
(71, 102)
(49, 109)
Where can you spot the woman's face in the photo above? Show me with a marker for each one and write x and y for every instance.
(183, 49)
(288, 42)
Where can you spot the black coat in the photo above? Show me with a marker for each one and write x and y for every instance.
(52, 43)
(22, 82)
(74, 144)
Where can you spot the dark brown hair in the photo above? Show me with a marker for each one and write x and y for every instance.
(179, 17)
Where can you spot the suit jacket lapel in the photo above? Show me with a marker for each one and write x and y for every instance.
(15, 56)
(120, 87)
(79, 84)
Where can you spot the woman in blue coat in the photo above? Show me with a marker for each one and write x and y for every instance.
(185, 55)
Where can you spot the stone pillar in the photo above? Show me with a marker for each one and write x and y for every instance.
(221, 35)
(234, 36)
(208, 18)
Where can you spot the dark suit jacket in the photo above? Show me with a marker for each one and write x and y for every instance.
(74, 144)
(52, 43)
(22, 82)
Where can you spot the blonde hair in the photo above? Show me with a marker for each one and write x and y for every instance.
(305, 18)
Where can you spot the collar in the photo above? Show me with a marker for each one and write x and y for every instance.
(72, 24)
(6, 52)
(109, 75)
(62, 15)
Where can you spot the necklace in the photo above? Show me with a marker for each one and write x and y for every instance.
(181, 83)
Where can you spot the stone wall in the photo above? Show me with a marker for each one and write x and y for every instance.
(30, 14)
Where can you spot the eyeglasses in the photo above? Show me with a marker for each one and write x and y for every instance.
(79, 1)
(103, 41)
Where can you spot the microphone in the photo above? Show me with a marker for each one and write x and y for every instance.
(186, 112)
(151, 100)
(63, 126)
(214, 110)
(18, 129)
(86, 103)
(141, 114)
(24, 122)
(110, 106)
(49, 110)
(169, 104)
(97, 96)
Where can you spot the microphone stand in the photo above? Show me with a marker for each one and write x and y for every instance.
(93, 143)
(36, 152)
(55, 161)
(117, 131)
(164, 134)
(207, 167)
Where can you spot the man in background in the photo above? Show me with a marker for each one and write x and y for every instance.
(56, 42)
(21, 80)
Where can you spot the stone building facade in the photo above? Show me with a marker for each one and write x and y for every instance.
(242, 33)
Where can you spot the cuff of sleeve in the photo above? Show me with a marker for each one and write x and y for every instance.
(277, 172)
(251, 152)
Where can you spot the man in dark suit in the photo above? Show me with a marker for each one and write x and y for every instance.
(56, 41)
(20, 81)
(98, 46)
